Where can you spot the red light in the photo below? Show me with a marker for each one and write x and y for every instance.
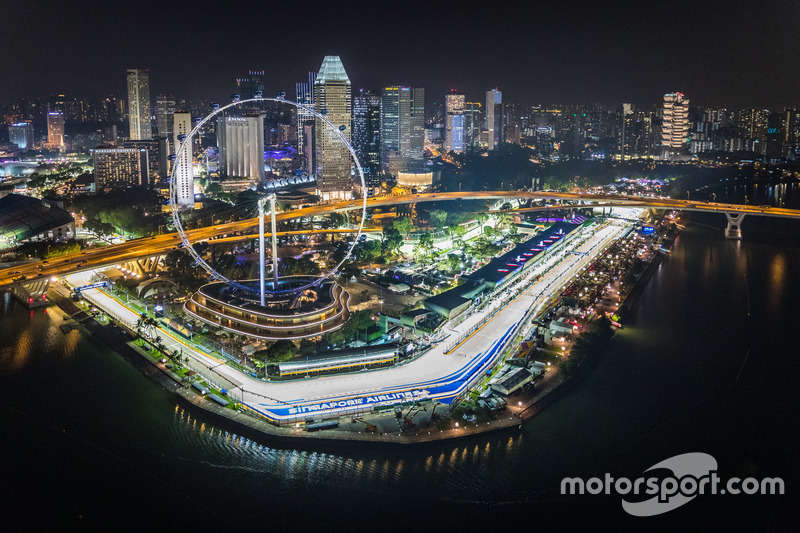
(30, 300)
(44, 297)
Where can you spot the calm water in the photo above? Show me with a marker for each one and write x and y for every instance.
(88, 440)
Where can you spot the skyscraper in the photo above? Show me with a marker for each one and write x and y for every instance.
(55, 130)
(305, 96)
(165, 115)
(674, 124)
(332, 99)
(241, 145)
(139, 103)
(494, 117)
(21, 134)
(184, 177)
(251, 86)
(473, 124)
(402, 129)
(454, 122)
(367, 132)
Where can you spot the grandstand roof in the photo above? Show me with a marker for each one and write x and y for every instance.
(23, 217)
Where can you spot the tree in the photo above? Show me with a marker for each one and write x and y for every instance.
(278, 352)
(391, 240)
(403, 225)
(439, 217)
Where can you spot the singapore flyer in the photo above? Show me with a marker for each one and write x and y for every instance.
(183, 153)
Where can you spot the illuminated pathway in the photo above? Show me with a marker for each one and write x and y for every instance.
(434, 375)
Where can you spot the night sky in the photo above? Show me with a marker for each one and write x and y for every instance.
(734, 54)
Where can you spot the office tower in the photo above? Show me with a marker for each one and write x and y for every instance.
(251, 86)
(494, 117)
(473, 124)
(332, 99)
(454, 122)
(241, 145)
(119, 168)
(157, 152)
(367, 132)
(55, 130)
(139, 103)
(57, 104)
(165, 115)
(184, 177)
(674, 124)
(304, 94)
(774, 137)
(21, 134)
(402, 129)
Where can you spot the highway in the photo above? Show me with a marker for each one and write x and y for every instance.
(441, 373)
(150, 246)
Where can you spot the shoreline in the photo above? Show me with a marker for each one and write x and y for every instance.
(548, 390)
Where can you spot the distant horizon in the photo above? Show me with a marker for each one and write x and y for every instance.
(736, 54)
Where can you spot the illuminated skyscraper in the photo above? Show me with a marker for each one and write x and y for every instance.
(251, 86)
(305, 95)
(332, 99)
(184, 177)
(55, 130)
(494, 117)
(402, 128)
(473, 125)
(674, 124)
(367, 132)
(241, 145)
(21, 134)
(139, 104)
(165, 115)
(454, 122)
(116, 168)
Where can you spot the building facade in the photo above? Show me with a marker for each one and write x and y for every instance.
(183, 174)
(21, 134)
(367, 134)
(332, 100)
(55, 130)
(674, 124)
(139, 104)
(402, 129)
(119, 168)
(494, 118)
(454, 105)
(241, 146)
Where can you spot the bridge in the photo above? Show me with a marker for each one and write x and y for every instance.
(134, 251)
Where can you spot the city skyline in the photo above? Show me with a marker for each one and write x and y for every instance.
(546, 59)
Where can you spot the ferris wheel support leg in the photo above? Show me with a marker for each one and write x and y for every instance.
(272, 199)
(261, 248)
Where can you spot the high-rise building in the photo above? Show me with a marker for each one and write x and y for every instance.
(241, 146)
(473, 124)
(402, 129)
(21, 134)
(454, 122)
(55, 130)
(157, 152)
(251, 86)
(674, 124)
(118, 168)
(367, 133)
(305, 96)
(165, 115)
(332, 99)
(494, 117)
(139, 103)
(184, 174)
